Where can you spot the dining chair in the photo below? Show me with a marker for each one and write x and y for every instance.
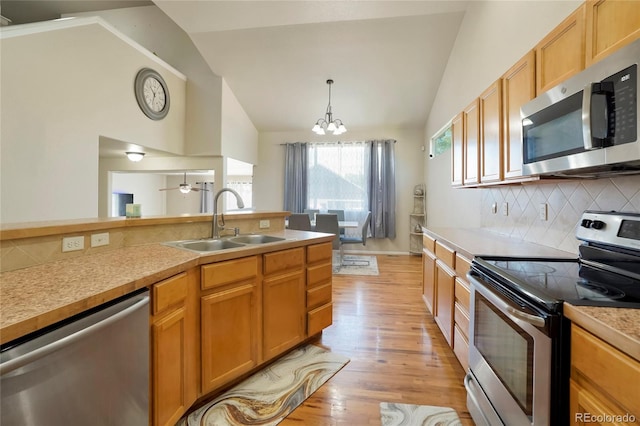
(329, 223)
(357, 240)
(311, 213)
(340, 214)
(299, 221)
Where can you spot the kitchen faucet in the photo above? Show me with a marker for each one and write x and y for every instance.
(215, 227)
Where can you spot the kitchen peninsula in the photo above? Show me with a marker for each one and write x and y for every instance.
(289, 278)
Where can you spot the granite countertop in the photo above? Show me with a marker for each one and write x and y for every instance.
(38, 296)
(618, 326)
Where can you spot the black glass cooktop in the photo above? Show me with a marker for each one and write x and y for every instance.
(567, 280)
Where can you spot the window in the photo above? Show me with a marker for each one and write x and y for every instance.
(337, 179)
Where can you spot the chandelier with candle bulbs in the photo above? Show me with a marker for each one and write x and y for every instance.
(328, 123)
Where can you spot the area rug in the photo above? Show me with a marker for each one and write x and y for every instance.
(269, 395)
(395, 414)
(356, 265)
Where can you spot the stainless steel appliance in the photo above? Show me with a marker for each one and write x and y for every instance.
(519, 340)
(588, 125)
(90, 370)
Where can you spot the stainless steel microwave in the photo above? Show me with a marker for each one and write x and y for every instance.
(587, 125)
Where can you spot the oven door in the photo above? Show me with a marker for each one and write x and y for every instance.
(509, 360)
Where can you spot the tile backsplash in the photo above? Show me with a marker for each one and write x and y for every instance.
(565, 201)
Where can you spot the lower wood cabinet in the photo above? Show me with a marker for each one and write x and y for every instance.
(217, 322)
(319, 287)
(284, 308)
(604, 382)
(229, 321)
(429, 272)
(173, 347)
(445, 285)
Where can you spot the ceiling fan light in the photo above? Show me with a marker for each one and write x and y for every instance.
(185, 189)
(134, 156)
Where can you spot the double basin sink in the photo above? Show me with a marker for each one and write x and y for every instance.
(224, 243)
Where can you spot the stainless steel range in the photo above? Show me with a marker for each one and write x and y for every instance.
(519, 339)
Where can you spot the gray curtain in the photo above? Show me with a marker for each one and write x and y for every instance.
(295, 177)
(382, 188)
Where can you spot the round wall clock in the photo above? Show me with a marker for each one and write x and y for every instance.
(152, 94)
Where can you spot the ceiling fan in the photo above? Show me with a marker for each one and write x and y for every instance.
(185, 187)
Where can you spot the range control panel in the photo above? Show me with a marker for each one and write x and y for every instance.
(612, 228)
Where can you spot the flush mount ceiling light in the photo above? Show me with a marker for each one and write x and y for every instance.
(328, 123)
(134, 156)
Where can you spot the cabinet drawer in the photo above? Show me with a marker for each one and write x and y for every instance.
(461, 348)
(446, 255)
(171, 291)
(428, 243)
(613, 372)
(461, 317)
(319, 252)
(462, 266)
(318, 296)
(283, 260)
(320, 274)
(463, 294)
(218, 274)
(319, 318)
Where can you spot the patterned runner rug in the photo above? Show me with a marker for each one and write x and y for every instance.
(394, 414)
(269, 395)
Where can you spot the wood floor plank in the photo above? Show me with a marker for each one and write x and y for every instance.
(397, 352)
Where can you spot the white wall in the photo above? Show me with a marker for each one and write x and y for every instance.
(153, 203)
(492, 37)
(60, 91)
(172, 44)
(239, 135)
(268, 182)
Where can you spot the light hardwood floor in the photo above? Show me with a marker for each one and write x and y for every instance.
(397, 351)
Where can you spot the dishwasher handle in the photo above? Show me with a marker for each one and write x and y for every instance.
(43, 351)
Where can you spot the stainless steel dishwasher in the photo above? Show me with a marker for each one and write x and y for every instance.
(92, 369)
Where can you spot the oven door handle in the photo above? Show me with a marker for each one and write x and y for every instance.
(505, 305)
(531, 319)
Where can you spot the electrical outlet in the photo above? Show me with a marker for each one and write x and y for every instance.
(72, 243)
(98, 240)
(505, 209)
(265, 224)
(542, 212)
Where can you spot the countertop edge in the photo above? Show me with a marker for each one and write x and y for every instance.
(622, 341)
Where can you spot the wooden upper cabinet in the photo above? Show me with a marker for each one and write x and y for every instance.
(518, 88)
(610, 24)
(491, 133)
(471, 143)
(561, 54)
(457, 150)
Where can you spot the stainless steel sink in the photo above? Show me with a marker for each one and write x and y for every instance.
(256, 239)
(217, 244)
(205, 245)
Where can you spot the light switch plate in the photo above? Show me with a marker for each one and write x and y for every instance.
(505, 209)
(542, 212)
(98, 240)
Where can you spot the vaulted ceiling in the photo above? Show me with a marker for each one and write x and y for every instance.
(386, 57)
